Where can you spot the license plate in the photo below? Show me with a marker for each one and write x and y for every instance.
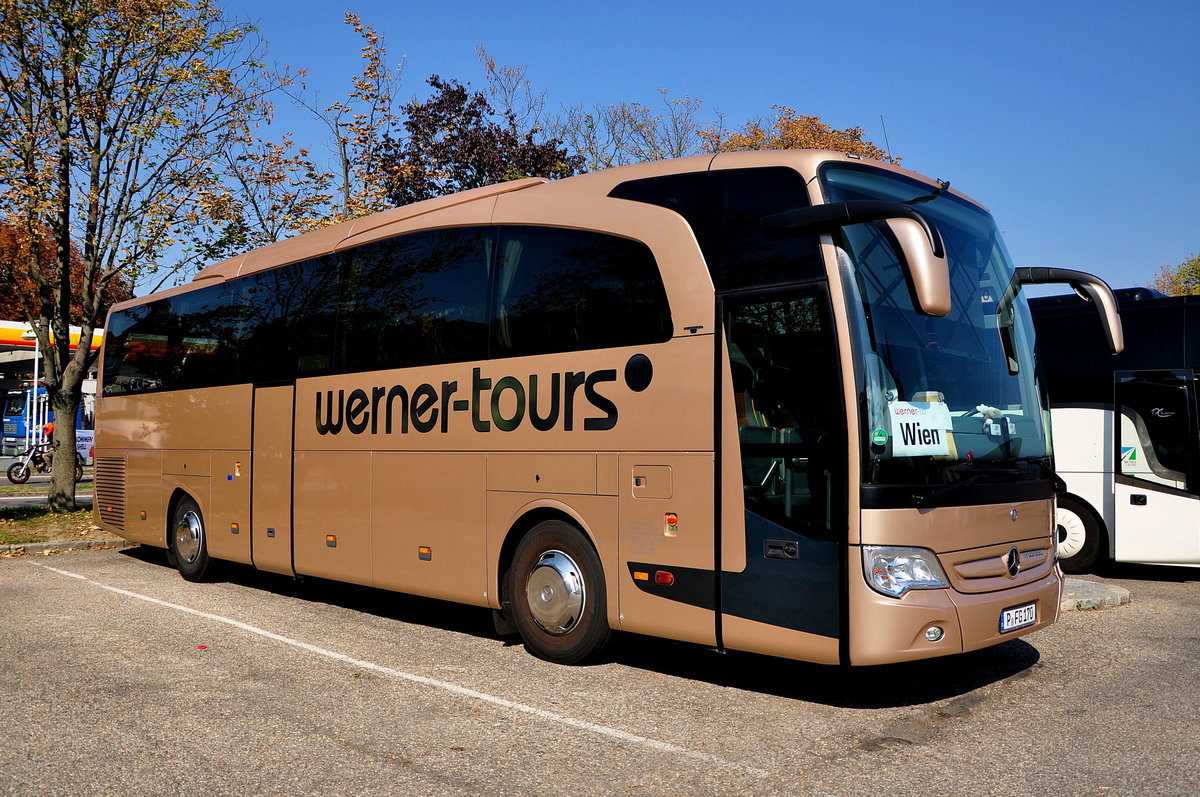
(1018, 617)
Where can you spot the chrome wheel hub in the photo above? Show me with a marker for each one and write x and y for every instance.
(188, 534)
(555, 593)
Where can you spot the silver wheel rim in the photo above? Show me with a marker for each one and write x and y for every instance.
(1072, 534)
(555, 593)
(188, 534)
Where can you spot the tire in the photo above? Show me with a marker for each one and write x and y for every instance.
(557, 594)
(18, 473)
(1080, 538)
(78, 470)
(188, 541)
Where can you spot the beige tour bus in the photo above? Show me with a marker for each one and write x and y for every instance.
(781, 402)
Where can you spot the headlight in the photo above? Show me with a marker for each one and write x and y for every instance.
(894, 571)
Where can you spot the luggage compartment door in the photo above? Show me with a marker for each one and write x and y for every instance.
(271, 500)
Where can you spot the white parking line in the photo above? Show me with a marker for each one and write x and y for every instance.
(654, 744)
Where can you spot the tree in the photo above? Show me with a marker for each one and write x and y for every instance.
(630, 132)
(356, 125)
(792, 131)
(110, 112)
(14, 249)
(264, 192)
(512, 94)
(455, 140)
(1181, 280)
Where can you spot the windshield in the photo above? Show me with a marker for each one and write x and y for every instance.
(944, 400)
(14, 404)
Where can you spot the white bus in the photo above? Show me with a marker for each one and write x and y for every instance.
(1126, 429)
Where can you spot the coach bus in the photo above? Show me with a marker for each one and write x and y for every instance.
(1126, 429)
(780, 402)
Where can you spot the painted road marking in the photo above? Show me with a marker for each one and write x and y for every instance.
(602, 730)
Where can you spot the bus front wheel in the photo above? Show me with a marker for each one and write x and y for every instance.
(557, 594)
(1079, 536)
(188, 543)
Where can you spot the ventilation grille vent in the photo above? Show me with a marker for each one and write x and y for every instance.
(110, 491)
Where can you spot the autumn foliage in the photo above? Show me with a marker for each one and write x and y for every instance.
(790, 130)
(1181, 280)
(14, 248)
(111, 115)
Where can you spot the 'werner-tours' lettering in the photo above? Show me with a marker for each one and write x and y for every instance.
(546, 402)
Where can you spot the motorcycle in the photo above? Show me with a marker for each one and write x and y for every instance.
(35, 460)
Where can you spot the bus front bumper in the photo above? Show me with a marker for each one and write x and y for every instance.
(885, 630)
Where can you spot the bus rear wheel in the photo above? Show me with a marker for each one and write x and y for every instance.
(187, 542)
(557, 594)
(1079, 537)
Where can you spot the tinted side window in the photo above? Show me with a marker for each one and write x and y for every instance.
(287, 320)
(1077, 364)
(416, 300)
(179, 342)
(201, 346)
(792, 440)
(724, 209)
(272, 325)
(135, 344)
(566, 290)
(1156, 410)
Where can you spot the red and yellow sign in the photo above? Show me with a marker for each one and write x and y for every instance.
(17, 335)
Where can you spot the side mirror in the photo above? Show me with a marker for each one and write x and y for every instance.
(916, 241)
(1089, 287)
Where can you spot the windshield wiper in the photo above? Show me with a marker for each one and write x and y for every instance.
(928, 499)
(986, 470)
(937, 192)
(977, 470)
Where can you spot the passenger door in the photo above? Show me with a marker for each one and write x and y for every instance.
(1155, 490)
(788, 401)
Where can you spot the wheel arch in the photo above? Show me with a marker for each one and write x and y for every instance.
(1096, 514)
(177, 495)
(1106, 550)
(524, 521)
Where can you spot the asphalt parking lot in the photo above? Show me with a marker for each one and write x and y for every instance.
(121, 678)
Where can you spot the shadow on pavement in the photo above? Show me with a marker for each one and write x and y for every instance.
(887, 686)
(1134, 572)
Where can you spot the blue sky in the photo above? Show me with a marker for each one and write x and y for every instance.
(1075, 123)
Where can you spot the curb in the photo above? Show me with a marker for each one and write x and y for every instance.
(1082, 595)
(63, 545)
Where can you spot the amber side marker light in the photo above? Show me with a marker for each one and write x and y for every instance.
(638, 575)
(143, 514)
(235, 528)
(672, 521)
(424, 553)
(331, 540)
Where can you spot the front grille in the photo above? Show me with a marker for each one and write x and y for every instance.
(984, 569)
(110, 491)
(10, 427)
